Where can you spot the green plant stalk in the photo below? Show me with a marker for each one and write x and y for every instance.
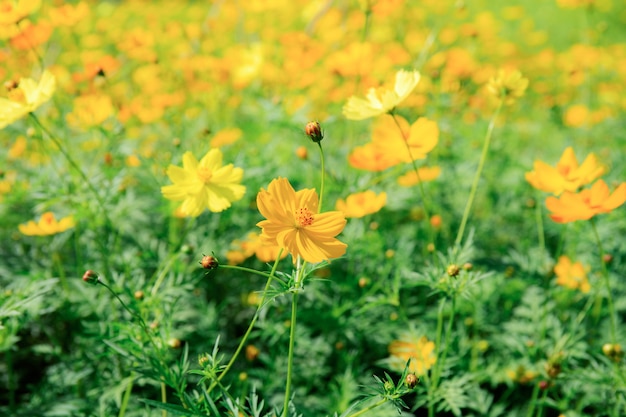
(481, 165)
(371, 407)
(442, 355)
(432, 386)
(431, 232)
(319, 209)
(533, 401)
(540, 230)
(126, 396)
(163, 398)
(162, 274)
(607, 284)
(91, 187)
(62, 278)
(292, 339)
(270, 277)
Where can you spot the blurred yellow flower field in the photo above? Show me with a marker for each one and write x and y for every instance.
(312, 208)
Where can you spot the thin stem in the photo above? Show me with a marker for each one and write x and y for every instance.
(292, 338)
(126, 396)
(163, 398)
(533, 401)
(270, 277)
(319, 210)
(420, 183)
(481, 165)
(92, 188)
(540, 230)
(607, 284)
(368, 408)
(162, 274)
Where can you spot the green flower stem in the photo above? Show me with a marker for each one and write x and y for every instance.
(533, 401)
(431, 232)
(163, 398)
(270, 277)
(90, 185)
(540, 230)
(292, 339)
(162, 274)
(319, 209)
(481, 165)
(371, 407)
(443, 354)
(607, 284)
(126, 396)
(56, 258)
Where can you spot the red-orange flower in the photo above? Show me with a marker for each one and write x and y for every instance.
(293, 223)
(570, 207)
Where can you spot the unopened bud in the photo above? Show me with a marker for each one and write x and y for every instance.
(607, 258)
(411, 380)
(544, 385)
(91, 277)
(314, 131)
(453, 270)
(468, 266)
(252, 353)
(203, 360)
(174, 343)
(139, 295)
(209, 262)
(302, 152)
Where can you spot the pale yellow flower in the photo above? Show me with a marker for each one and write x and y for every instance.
(420, 351)
(204, 184)
(381, 101)
(27, 97)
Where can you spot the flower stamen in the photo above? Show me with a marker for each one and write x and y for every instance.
(304, 217)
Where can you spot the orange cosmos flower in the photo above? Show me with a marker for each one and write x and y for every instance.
(419, 350)
(570, 207)
(361, 204)
(370, 157)
(571, 275)
(12, 12)
(293, 223)
(47, 225)
(32, 35)
(421, 137)
(567, 175)
(425, 174)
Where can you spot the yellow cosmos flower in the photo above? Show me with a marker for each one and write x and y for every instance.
(382, 101)
(421, 351)
(421, 137)
(508, 85)
(567, 175)
(204, 184)
(294, 224)
(425, 174)
(47, 225)
(571, 275)
(12, 11)
(361, 204)
(26, 98)
(90, 110)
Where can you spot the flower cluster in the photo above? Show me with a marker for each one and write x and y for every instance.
(570, 203)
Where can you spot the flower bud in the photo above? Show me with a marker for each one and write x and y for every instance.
(203, 360)
(411, 380)
(453, 270)
(138, 295)
(174, 343)
(252, 353)
(209, 262)
(302, 153)
(544, 385)
(607, 258)
(91, 277)
(314, 131)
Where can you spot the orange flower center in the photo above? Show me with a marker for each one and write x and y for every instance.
(304, 217)
(204, 174)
